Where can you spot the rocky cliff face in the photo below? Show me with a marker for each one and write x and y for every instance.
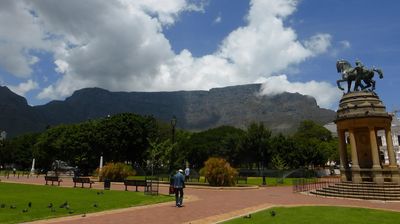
(195, 110)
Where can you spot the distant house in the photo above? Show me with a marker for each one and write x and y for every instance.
(3, 135)
(380, 138)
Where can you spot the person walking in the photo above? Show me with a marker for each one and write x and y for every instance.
(187, 173)
(179, 184)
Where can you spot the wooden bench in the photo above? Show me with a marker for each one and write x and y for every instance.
(82, 180)
(241, 178)
(53, 179)
(135, 183)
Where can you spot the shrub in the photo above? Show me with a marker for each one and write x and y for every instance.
(219, 172)
(116, 171)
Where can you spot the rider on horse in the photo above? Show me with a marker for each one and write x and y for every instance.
(357, 74)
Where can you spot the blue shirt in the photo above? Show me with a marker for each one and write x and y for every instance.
(179, 180)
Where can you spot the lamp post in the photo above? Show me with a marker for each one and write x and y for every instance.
(173, 125)
(263, 173)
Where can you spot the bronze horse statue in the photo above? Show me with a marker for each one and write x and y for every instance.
(356, 74)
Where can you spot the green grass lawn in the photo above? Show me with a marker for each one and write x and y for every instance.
(271, 181)
(251, 181)
(320, 215)
(80, 200)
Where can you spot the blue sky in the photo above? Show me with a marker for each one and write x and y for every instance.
(48, 49)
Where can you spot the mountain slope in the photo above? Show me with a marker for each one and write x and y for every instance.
(195, 110)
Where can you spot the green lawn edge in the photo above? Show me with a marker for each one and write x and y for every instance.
(318, 215)
(79, 200)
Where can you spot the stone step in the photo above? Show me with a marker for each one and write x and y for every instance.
(369, 185)
(373, 188)
(368, 191)
(353, 196)
(358, 192)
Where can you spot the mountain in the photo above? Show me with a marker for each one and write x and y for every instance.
(194, 110)
(16, 116)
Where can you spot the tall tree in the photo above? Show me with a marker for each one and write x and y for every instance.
(312, 147)
(222, 142)
(256, 145)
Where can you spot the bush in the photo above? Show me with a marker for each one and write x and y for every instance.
(219, 172)
(116, 171)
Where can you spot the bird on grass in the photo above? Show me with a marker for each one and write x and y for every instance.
(50, 205)
(273, 213)
(248, 216)
(71, 211)
(95, 205)
(25, 210)
(30, 204)
(64, 204)
(13, 206)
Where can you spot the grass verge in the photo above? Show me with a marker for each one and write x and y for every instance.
(15, 199)
(319, 215)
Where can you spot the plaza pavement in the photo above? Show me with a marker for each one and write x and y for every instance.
(205, 205)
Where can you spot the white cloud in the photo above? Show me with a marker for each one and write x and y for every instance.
(345, 44)
(319, 43)
(218, 20)
(24, 87)
(325, 93)
(120, 45)
(167, 11)
(19, 33)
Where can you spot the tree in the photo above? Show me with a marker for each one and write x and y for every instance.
(18, 150)
(221, 142)
(256, 145)
(311, 130)
(313, 148)
(120, 138)
(159, 154)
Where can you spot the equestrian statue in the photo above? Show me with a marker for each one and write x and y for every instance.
(362, 77)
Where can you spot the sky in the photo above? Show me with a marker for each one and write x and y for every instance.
(49, 49)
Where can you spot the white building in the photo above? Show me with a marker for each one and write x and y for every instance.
(395, 137)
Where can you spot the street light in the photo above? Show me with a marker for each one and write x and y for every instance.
(263, 173)
(173, 124)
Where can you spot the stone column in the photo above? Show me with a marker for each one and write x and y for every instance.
(376, 166)
(355, 167)
(343, 154)
(374, 149)
(392, 157)
(389, 147)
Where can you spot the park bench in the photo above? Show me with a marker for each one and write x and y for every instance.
(241, 179)
(82, 180)
(135, 183)
(53, 179)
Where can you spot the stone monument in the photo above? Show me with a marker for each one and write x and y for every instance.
(360, 115)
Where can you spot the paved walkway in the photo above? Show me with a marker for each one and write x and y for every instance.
(207, 205)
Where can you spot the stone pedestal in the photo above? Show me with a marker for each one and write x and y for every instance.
(360, 116)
